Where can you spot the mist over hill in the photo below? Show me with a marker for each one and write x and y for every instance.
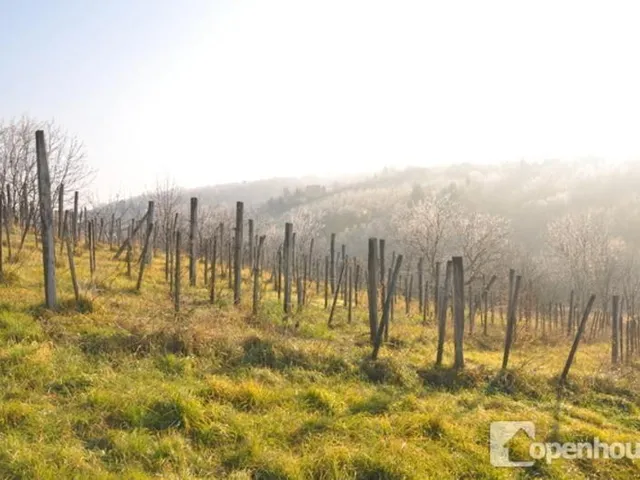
(529, 195)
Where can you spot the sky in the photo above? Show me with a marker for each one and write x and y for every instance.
(208, 92)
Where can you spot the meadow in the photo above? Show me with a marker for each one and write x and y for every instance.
(119, 385)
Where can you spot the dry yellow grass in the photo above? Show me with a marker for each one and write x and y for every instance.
(125, 388)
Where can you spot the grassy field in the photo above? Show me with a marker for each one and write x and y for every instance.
(121, 387)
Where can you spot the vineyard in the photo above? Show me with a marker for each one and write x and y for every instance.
(125, 353)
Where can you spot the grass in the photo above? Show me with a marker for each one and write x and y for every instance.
(119, 386)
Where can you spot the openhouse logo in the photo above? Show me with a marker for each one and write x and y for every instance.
(504, 434)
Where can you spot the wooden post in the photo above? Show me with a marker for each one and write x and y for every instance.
(100, 232)
(143, 257)
(167, 255)
(60, 210)
(356, 284)
(621, 329)
(409, 295)
(46, 217)
(279, 277)
(458, 302)
(237, 284)
(425, 303)
(336, 293)
(308, 265)
(85, 219)
(436, 291)
(91, 239)
(326, 282)
(294, 264)
(150, 221)
(576, 341)
(7, 228)
(381, 257)
(176, 282)
(229, 265)
(615, 336)
(332, 259)
(193, 234)
(250, 258)
(485, 296)
(131, 234)
(129, 259)
(256, 275)
(288, 232)
(298, 280)
(27, 225)
(72, 265)
(222, 272)
(373, 288)
(627, 342)
(9, 207)
(421, 297)
(350, 293)
(212, 291)
(111, 230)
(2, 222)
(511, 316)
(205, 258)
(377, 342)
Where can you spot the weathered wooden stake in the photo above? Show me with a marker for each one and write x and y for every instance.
(576, 341)
(288, 232)
(256, 276)
(458, 302)
(511, 317)
(150, 221)
(176, 281)
(193, 235)
(332, 259)
(326, 281)
(46, 217)
(212, 291)
(336, 293)
(373, 288)
(143, 257)
(615, 334)
(237, 266)
(60, 210)
(251, 256)
(377, 342)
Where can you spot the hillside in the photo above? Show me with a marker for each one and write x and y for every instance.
(120, 386)
(529, 195)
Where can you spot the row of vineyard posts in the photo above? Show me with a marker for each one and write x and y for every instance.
(226, 259)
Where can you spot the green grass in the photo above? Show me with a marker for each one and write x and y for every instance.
(120, 386)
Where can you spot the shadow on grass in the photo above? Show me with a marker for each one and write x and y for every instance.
(451, 379)
(516, 384)
(97, 343)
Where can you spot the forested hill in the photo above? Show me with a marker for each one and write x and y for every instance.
(528, 195)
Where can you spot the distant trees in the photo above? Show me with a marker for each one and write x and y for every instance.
(585, 247)
(426, 227)
(66, 155)
(438, 226)
(481, 239)
(167, 197)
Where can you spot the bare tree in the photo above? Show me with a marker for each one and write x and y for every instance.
(425, 227)
(583, 245)
(67, 158)
(167, 197)
(482, 239)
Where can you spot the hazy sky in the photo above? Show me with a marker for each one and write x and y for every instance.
(215, 91)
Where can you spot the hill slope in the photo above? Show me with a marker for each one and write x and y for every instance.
(125, 388)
